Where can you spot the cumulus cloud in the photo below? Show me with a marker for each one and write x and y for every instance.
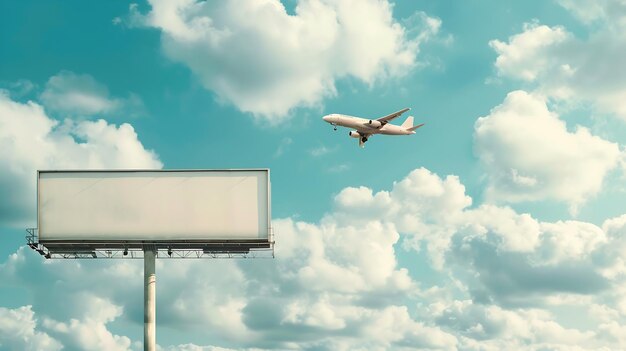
(568, 69)
(503, 279)
(31, 140)
(529, 154)
(613, 264)
(298, 301)
(509, 277)
(18, 331)
(498, 256)
(486, 327)
(74, 94)
(421, 204)
(323, 282)
(425, 207)
(527, 55)
(265, 61)
(90, 332)
(502, 257)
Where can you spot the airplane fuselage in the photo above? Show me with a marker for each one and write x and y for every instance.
(364, 126)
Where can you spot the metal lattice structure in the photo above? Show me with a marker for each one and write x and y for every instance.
(135, 250)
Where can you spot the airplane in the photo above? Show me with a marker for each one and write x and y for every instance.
(368, 127)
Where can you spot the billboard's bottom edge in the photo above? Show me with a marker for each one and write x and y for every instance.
(207, 245)
(164, 248)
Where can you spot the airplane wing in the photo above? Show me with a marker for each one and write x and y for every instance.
(388, 118)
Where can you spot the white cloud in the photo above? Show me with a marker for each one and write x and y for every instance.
(323, 280)
(530, 155)
(611, 11)
(88, 289)
(81, 95)
(496, 273)
(337, 256)
(90, 332)
(489, 327)
(429, 208)
(18, 331)
(499, 255)
(504, 279)
(526, 55)
(31, 140)
(216, 303)
(266, 303)
(610, 259)
(570, 240)
(394, 324)
(568, 69)
(424, 192)
(508, 230)
(271, 62)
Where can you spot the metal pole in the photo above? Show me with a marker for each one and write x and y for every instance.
(149, 301)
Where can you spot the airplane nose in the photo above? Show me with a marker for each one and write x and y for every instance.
(326, 118)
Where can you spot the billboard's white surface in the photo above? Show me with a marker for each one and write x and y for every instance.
(153, 205)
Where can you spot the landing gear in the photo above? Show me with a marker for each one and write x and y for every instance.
(362, 141)
(334, 126)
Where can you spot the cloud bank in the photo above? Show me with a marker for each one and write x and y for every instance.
(501, 281)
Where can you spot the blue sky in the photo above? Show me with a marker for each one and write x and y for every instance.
(499, 225)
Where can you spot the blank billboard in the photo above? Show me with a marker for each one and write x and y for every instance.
(146, 206)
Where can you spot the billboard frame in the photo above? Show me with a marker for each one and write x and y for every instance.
(236, 248)
(149, 250)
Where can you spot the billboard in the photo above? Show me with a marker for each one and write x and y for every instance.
(177, 207)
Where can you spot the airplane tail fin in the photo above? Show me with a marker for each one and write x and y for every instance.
(414, 128)
(408, 123)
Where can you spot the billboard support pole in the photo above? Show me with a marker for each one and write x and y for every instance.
(149, 300)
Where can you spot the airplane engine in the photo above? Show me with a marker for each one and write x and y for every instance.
(375, 124)
(354, 134)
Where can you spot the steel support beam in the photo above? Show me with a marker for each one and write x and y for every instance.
(149, 301)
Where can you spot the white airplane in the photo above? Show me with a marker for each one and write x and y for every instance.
(368, 127)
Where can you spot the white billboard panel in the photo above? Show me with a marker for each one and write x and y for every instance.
(117, 206)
